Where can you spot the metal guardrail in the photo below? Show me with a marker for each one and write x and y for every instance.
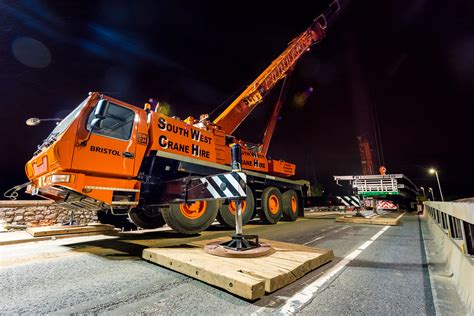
(373, 185)
(457, 220)
(383, 185)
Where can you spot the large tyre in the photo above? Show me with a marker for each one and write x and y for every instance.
(146, 220)
(191, 218)
(226, 215)
(291, 205)
(118, 221)
(271, 210)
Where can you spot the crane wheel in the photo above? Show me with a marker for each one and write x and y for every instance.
(191, 218)
(226, 215)
(140, 218)
(291, 205)
(271, 210)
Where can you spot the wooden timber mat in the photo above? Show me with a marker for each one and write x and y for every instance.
(375, 220)
(249, 278)
(41, 231)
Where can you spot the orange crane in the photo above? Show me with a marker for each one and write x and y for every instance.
(365, 156)
(113, 157)
(366, 160)
(244, 104)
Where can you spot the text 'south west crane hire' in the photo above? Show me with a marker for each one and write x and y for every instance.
(176, 135)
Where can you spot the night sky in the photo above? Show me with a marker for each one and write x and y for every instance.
(411, 62)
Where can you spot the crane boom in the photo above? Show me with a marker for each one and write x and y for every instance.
(267, 136)
(241, 107)
(365, 156)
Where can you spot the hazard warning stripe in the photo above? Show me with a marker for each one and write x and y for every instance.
(239, 176)
(236, 183)
(223, 188)
(387, 205)
(343, 201)
(354, 200)
(229, 190)
(229, 185)
(349, 200)
(213, 188)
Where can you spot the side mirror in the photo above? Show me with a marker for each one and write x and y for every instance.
(96, 123)
(100, 114)
(101, 109)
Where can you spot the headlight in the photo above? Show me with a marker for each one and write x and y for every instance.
(60, 178)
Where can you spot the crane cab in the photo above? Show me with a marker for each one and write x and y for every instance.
(95, 152)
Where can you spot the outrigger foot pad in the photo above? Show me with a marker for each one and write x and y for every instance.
(241, 246)
(241, 242)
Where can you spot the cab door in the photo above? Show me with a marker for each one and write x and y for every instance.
(110, 150)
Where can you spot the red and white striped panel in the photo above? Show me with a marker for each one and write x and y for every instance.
(386, 205)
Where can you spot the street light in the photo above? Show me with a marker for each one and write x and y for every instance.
(423, 189)
(35, 121)
(434, 171)
(432, 194)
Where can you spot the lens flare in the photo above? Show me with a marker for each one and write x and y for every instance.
(300, 99)
(31, 52)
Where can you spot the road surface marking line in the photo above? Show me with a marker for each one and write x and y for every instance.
(300, 299)
(323, 236)
(379, 233)
(400, 215)
(365, 245)
(313, 240)
(353, 255)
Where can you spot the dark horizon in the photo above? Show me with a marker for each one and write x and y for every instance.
(412, 62)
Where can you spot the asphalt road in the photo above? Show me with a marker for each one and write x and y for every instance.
(103, 274)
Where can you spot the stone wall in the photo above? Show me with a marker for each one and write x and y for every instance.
(40, 213)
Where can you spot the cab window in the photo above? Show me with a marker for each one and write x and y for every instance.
(117, 124)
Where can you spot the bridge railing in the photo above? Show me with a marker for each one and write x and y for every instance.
(457, 220)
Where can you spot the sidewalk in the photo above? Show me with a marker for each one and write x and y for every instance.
(16, 237)
(21, 236)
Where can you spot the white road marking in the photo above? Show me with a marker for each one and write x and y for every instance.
(300, 299)
(315, 239)
(365, 245)
(321, 237)
(401, 215)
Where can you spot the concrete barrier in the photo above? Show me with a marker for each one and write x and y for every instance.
(40, 213)
(451, 224)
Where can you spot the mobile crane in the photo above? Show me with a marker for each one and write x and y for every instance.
(110, 156)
